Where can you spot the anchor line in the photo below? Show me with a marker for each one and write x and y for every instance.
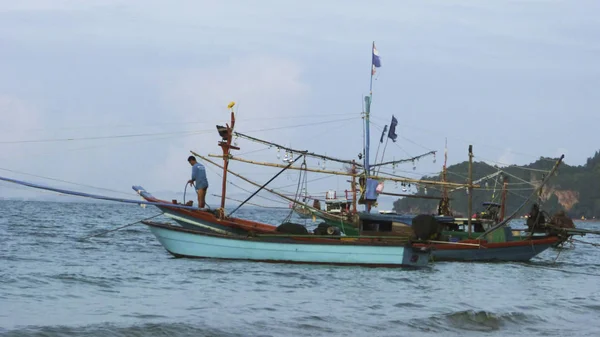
(118, 228)
(585, 242)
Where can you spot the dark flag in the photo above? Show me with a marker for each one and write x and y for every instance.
(392, 134)
(383, 134)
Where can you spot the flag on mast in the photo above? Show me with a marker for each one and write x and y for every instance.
(382, 135)
(376, 62)
(392, 132)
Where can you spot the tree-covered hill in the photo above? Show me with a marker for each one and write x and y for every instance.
(574, 189)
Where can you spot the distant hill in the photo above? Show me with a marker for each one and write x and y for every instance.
(575, 189)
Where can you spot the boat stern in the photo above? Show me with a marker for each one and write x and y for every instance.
(416, 257)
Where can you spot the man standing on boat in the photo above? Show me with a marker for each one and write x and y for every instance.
(198, 177)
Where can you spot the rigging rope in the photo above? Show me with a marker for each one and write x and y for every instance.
(505, 221)
(204, 121)
(64, 181)
(241, 188)
(49, 140)
(437, 133)
(265, 184)
(295, 151)
(250, 203)
(513, 165)
(289, 216)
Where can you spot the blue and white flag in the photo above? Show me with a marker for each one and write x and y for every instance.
(376, 59)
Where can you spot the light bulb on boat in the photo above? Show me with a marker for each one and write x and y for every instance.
(278, 154)
(425, 190)
(434, 160)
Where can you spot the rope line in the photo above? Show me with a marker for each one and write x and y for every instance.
(118, 228)
(64, 181)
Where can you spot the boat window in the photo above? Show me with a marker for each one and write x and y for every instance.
(377, 226)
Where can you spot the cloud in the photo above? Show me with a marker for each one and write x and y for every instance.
(267, 90)
(264, 84)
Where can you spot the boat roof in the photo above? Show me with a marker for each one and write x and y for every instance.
(337, 201)
(404, 218)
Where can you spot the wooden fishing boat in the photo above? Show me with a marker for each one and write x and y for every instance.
(213, 234)
(386, 240)
(422, 227)
(283, 248)
(501, 244)
(508, 249)
(453, 244)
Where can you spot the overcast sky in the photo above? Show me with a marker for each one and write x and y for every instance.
(517, 79)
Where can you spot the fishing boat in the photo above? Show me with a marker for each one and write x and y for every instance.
(285, 248)
(213, 234)
(453, 242)
(380, 239)
(341, 216)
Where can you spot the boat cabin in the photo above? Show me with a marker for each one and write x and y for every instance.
(335, 205)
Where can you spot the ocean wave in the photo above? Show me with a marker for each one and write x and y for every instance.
(470, 320)
(103, 282)
(112, 330)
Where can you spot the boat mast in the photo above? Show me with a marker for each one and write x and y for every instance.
(503, 203)
(470, 189)
(445, 203)
(225, 144)
(368, 100)
(353, 187)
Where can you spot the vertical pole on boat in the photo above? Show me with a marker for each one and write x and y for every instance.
(368, 100)
(445, 202)
(503, 205)
(353, 187)
(470, 189)
(226, 146)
